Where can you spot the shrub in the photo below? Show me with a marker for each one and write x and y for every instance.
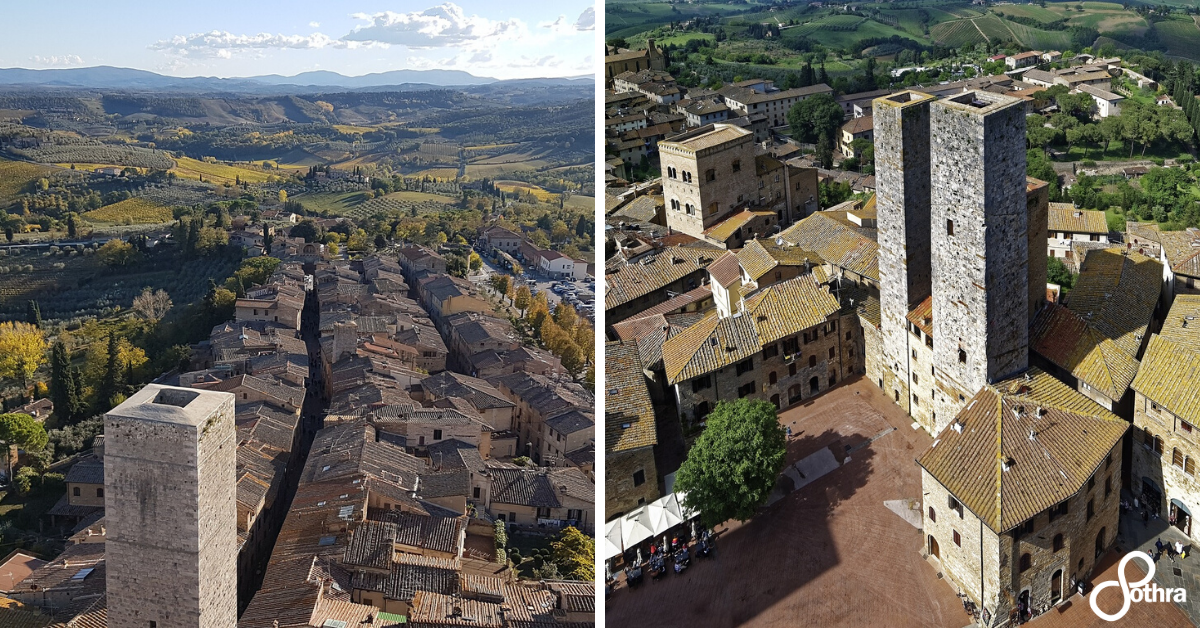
(24, 480)
(1088, 163)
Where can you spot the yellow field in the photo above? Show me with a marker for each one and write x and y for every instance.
(86, 167)
(445, 174)
(133, 210)
(424, 130)
(189, 168)
(351, 129)
(15, 174)
(538, 192)
(491, 146)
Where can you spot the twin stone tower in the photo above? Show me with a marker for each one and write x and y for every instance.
(170, 507)
(962, 241)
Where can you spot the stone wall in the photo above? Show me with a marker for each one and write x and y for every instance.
(923, 386)
(980, 241)
(902, 172)
(1174, 482)
(170, 508)
(973, 565)
(712, 200)
(1037, 198)
(620, 495)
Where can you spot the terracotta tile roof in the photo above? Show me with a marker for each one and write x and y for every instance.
(707, 137)
(868, 309)
(988, 461)
(1171, 364)
(1077, 221)
(628, 410)
(773, 313)
(434, 609)
(761, 255)
(540, 487)
(837, 243)
(654, 272)
(1064, 338)
(858, 125)
(1144, 230)
(1182, 250)
(1116, 293)
(725, 229)
(922, 316)
(725, 269)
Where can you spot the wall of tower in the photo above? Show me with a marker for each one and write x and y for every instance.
(902, 174)
(1037, 198)
(711, 200)
(980, 240)
(170, 491)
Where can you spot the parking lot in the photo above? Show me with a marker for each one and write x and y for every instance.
(542, 283)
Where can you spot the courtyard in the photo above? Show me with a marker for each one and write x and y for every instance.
(839, 550)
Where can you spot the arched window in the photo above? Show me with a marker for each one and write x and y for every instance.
(1158, 445)
(1058, 542)
(1056, 587)
(1177, 457)
(1026, 562)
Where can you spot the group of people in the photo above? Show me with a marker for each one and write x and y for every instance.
(1172, 549)
(677, 552)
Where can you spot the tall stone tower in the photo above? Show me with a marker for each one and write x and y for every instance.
(170, 504)
(980, 244)
(903, 204)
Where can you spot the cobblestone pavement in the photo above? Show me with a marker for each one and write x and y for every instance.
(831, 553)
(1169, 572)
(828, 554)
(1077, 612)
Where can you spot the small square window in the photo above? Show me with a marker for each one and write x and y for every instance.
(639, 477)
(949, 227)
(957, 539)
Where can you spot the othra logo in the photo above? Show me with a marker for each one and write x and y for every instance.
(1144, 590)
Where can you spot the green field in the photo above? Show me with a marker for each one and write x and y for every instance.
(131, 211)
(1181, 37)
(1030, 11)
(331, 202)
(622, 19)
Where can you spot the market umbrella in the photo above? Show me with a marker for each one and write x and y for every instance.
(612, 539)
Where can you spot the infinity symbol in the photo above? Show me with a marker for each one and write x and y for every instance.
(1125, 586)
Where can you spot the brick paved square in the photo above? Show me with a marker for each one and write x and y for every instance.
(831, 553)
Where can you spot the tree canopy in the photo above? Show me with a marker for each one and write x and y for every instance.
(816, 117)
(22, 351)
(734, 465)
(575, 553)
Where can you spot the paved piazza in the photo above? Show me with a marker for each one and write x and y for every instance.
(831, 553)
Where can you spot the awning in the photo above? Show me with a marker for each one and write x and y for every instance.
(1178, 504)
(1152, 485)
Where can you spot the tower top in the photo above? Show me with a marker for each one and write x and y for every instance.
(171, 404)
(903, 99)
(979, 102)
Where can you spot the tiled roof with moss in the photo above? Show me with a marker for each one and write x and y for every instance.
(1182, 250)
(1171, 364)
(759, 256)
(628, 410)
(922, 316)
(774, 313)
(837, 243)
(1077, 221)
(1116, 293)
(651, 273)
(1022, 446)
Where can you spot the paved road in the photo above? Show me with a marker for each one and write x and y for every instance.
(542, 283)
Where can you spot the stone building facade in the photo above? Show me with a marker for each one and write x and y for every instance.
(902, 203)
(1011, 540)
(980, 247)
(787, 343)
(707, 175)
(171, 509)
(1166, 440)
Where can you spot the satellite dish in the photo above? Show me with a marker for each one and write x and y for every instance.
(778, 240)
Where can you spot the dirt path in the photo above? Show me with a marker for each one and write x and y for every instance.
(985, 37)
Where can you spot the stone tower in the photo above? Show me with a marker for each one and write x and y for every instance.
(903, 204)
(980, 244)
(170, 504)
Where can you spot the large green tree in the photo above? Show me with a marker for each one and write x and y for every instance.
(818, 116)
(23, 431)
(732, 468)
(575, 553)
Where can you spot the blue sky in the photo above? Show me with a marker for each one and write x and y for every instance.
(354, 37)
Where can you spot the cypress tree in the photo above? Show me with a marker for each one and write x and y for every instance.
(60, 379)
(112, 373)
(34, 314)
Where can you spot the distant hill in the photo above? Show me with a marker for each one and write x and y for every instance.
(107, 77)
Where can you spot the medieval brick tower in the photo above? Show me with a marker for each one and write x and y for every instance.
(903, 203)
(980, 245)
(170, 505)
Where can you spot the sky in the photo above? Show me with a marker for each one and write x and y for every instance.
(242, 38)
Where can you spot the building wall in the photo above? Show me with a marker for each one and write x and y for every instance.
(903, 193)
(1037, 203)
(986, 566)
(981, 309)
(171, 513)
(1174, 482)
(87, 494)
(922, 385)
(620, 494)
(825, 359)
(712, 200)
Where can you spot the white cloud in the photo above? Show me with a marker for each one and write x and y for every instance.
(57, 60)
(587, 20)
(444, 25)
(314, 24)
(223, 43)
(564, 26)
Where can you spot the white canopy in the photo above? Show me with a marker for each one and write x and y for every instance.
(644, 522)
